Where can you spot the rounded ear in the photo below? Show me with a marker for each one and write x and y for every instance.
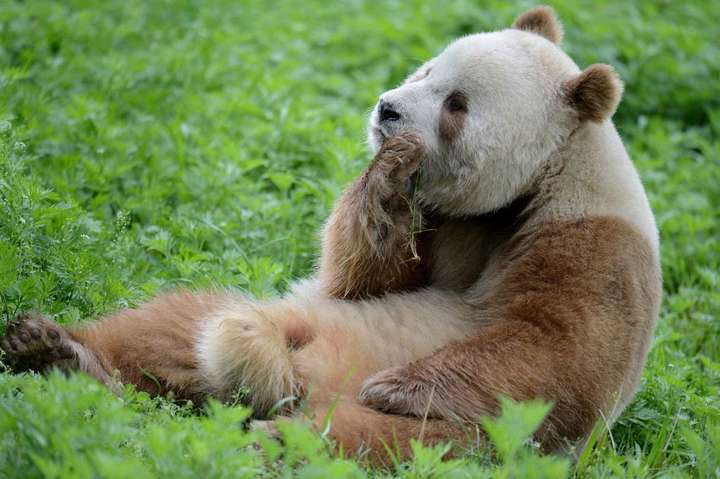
(542, 21)
(594, 93)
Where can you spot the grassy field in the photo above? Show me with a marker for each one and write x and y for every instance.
(146, 145)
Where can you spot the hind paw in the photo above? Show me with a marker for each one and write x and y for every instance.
(32, 342)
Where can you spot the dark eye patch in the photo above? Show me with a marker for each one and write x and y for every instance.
(452, 116)
(456, 102)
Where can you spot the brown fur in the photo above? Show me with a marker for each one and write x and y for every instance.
(372, 240)
(32, 342)
(470, 242)
(595, 93)
(562, 311)
(365, 433)
(542, 21)
(451, 122)
(152, 346)
(567, 314)
(556, 310)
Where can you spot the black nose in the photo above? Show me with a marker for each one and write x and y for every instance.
(387, 113)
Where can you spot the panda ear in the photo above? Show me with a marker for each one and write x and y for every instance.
(594, 93)
(542, 21)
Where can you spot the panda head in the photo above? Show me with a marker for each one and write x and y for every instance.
(491, 109)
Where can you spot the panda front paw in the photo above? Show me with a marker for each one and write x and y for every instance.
(398, 391)
(400, 157)
(391, 178)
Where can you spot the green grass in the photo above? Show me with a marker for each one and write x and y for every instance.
(146, 145)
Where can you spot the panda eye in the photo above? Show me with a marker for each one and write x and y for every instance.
(456, 102)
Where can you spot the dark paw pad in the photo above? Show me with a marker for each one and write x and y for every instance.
(32, 342)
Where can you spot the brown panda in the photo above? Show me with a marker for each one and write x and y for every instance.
(500, 243)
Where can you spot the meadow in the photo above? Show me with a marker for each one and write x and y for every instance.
(147, 145)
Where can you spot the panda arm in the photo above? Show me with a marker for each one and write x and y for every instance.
(565, 317)
(370, 242)
(464, 379)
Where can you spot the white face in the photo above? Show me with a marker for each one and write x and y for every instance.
(489, 110)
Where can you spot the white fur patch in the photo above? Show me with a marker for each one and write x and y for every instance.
(518, 126)
(516, 118)
(242, 351)
(243, 344)
(598, 179)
